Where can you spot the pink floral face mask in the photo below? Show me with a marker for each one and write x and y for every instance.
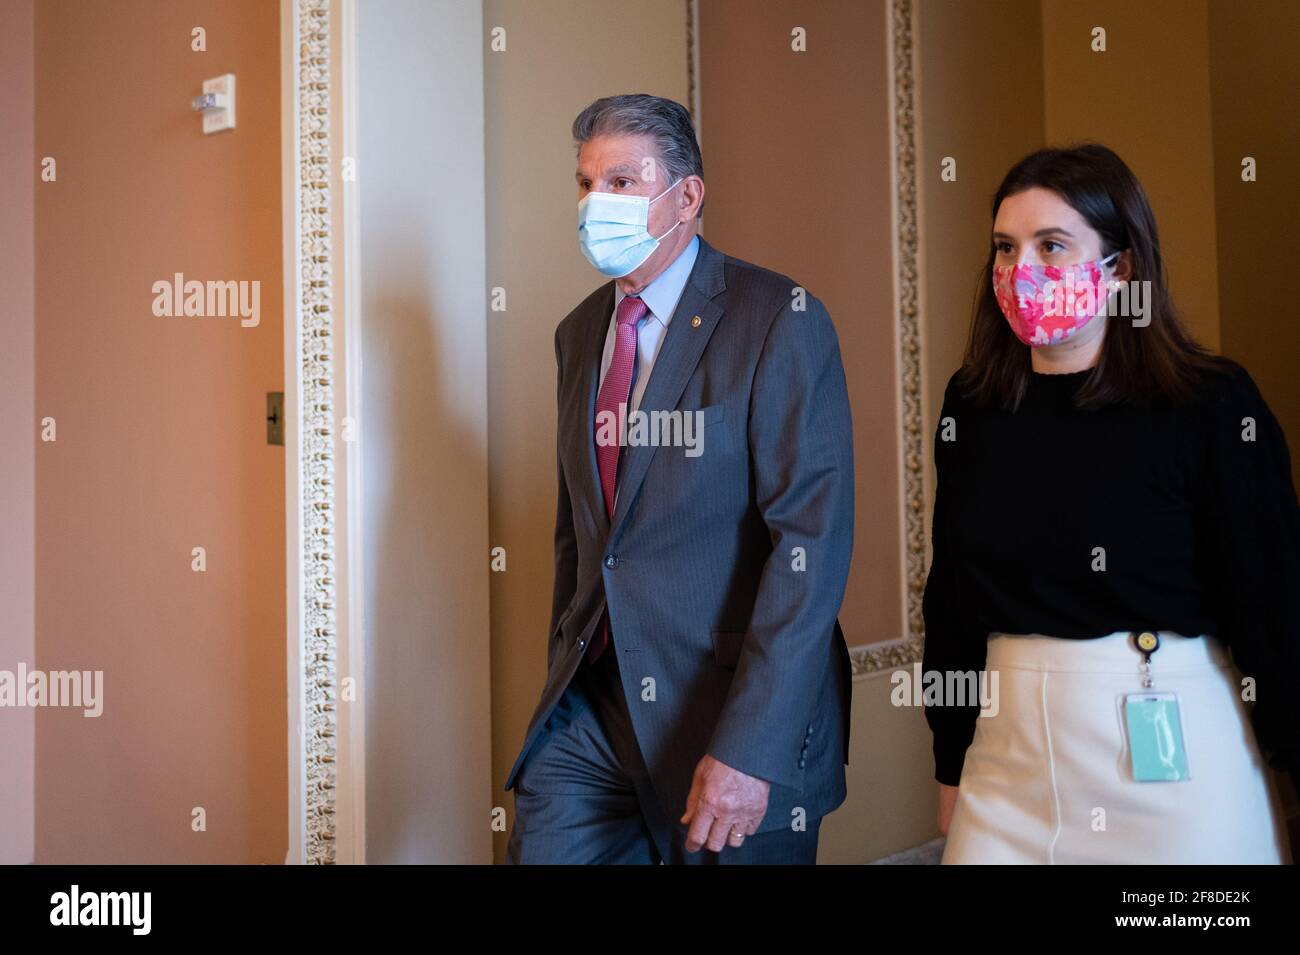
(1048, 304)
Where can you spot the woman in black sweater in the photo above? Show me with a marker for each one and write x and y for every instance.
(1116, 545)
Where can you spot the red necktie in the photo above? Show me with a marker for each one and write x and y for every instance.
(613, 393)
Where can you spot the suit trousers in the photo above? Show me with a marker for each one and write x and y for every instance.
(584, 794)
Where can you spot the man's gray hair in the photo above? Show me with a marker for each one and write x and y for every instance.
(639, 114)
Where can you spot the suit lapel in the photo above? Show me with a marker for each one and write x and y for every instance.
(594, 352)
(678, 355)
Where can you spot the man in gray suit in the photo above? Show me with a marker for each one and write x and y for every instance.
(698, 682)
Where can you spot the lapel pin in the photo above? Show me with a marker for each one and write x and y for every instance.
(695, 322)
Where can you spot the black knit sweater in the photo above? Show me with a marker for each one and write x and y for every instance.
(1194, 510)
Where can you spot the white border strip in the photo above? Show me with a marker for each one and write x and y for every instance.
(292, 391)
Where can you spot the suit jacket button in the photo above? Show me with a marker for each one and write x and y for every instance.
(611, 560)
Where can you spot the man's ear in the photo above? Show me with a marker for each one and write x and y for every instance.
(692, 193)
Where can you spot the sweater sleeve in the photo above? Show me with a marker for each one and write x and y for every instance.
(953, 640)
(1246, 501)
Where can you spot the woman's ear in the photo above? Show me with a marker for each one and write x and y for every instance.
(1123, 266)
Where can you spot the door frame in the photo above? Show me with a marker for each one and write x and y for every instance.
(324, 609)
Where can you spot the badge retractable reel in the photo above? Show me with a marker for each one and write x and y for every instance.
(1154, 723)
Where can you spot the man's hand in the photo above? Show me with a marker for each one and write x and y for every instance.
(721, 800)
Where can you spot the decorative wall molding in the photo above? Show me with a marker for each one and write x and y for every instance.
(317, 635)
(906, 651)
(693, 67)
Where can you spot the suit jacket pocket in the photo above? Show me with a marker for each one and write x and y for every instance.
(711, 414)
(726, 646)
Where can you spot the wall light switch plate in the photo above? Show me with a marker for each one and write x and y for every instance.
(217, 119)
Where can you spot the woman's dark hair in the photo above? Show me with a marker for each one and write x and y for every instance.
(1156, 362)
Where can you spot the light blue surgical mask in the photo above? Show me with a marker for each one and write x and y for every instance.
(612, 231)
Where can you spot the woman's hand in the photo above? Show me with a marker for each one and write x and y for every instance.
(947, 799)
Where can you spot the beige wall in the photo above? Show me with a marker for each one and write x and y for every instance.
(559, 57)
(161, 438)
(1254, 79)
(17, 392)
(1148, 98)
(798, 174)
(424, 432)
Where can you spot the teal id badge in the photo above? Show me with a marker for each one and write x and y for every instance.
(1155, 737)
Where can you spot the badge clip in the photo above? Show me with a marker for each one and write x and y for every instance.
(1148, 642)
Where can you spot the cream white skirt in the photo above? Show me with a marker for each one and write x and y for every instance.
(1047, 779)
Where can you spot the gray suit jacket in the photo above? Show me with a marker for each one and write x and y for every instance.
(723, 572)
